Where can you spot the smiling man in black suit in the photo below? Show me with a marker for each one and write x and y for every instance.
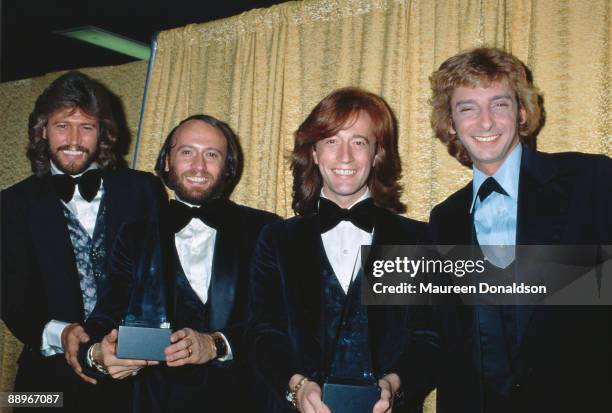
(58, 227)
(511, 358)
(307, 268)
(201, 245)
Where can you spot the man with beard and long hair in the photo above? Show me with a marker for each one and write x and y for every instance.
(58, 227)
(203, 244)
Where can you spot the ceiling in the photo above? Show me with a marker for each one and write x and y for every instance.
(30, 48)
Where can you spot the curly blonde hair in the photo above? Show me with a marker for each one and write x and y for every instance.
(481, 67)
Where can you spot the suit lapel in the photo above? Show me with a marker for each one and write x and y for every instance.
(113, 199)
(51, 242)
(377, 320)
(543, 203)
(460, 224)
(382, 228)
(224, 275)
(159, 255)
(462, 220)
(453, 225)
(301, 248)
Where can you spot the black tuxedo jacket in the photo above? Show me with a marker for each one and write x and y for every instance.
(150, 244)
(40, 281)
(285, 335)
(564, 361)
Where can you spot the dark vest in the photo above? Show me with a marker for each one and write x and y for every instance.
(346, 345)
(189, 311)
(497, 335)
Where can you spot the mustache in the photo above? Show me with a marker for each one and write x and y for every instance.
(73, 148)
(189, 174)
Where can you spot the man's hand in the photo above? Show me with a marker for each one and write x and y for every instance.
(190, 347)
(389, 385)
(72, 337)
(105, 353)
(309, 396)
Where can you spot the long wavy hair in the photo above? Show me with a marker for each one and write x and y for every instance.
(234, 161)
(72, 90)
(329, 117)
(481, 67)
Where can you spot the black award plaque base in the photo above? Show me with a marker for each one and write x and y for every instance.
(350, 398)
(142, 343)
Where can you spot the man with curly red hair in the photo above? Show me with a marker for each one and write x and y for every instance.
(306, 269)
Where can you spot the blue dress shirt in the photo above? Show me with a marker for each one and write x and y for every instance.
(495, 217)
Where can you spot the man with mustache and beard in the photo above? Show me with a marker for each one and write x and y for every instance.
(203, 243)
(58, 226)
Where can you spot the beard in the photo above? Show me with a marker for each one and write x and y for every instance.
(73, 167)
(195, 196)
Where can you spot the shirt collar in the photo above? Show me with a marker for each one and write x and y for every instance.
(507, 176)
(177, 198)
(365, 195)
(56, 171)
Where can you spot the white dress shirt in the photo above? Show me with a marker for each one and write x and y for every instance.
(195, 245)
(87, 214)
(342, 246)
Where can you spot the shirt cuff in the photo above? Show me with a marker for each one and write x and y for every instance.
(229, 356)
(52, 338)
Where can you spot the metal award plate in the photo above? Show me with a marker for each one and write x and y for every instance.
(145, 331)
(350, 398)
(143, 343)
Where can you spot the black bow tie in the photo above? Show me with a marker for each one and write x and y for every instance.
(361, 215)
(211, 213)
(89, 184)
(488, 186)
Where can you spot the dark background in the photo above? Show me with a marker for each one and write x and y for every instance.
(29, 47)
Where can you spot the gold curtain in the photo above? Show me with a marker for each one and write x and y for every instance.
(16, 102)
(264, 70)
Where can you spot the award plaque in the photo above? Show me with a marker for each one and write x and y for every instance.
(142, 343)
(145, 331)
(351, 386)
(350, 397)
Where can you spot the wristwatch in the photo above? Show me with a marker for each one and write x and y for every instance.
(292, 394)
(220, 345)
